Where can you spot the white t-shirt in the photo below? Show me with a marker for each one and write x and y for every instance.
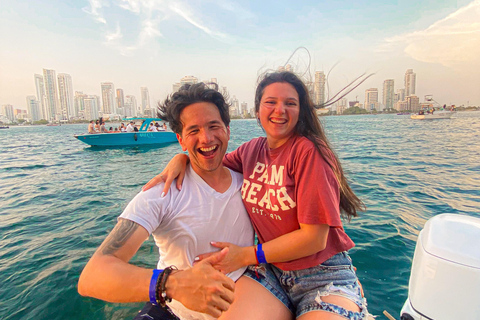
(183, 223)
(130, 128)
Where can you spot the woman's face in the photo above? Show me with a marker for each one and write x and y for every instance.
(278, 112)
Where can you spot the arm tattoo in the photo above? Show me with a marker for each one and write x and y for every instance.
(119, 235)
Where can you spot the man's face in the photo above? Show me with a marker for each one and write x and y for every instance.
(204, 136)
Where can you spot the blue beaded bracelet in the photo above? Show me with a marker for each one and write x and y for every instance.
(152, 291)
(260, 254)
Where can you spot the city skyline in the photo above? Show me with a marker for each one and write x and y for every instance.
(135, 44)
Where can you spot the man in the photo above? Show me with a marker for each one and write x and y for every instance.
(91, 127)
(208, 208)
(130, 126)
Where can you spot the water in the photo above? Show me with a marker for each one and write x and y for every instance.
(59, 198)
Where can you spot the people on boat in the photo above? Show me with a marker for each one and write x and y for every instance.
(97, 126)
(130, 127)
(421, 112)
(102, 128)
(295, 192)
(159, 127)
(152, 127)
(182, 224)
(123, 128)
(91, 127)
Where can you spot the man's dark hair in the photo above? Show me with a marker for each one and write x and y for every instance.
(188, 94)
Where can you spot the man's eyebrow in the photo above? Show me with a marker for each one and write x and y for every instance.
(195, 126)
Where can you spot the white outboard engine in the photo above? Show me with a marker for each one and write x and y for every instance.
(445, 279)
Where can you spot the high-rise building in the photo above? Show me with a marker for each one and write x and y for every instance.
(234, 111)
(79, 105)
(7, 111)
(371, 99)
(410, 82)
(188, 80)
(91, 107)
(33, 107)
(401, 94)
(244, 108)
(108, 98)
(40, 88)
(120, 102)
(131, 106)
(413, 103)
(52, 111)
(388, 94)
(319, 88)
(65, 90)
(145, 101)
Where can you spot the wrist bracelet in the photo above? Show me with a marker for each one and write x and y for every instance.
(255, 250)
(260, 254)
(152, 290)
(162, 297)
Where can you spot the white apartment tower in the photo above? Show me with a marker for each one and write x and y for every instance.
(33, 107)
(7, 111)
(410, 82)
(319, 88)
(52, 112)
(40, 94)
(130, 106)
(388, 93)
(108, 98)
(120, 102)
(371, 99)
(65, 90)
(145, 100)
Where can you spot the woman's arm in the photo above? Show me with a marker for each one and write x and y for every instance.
(175, 169)
(308, 240)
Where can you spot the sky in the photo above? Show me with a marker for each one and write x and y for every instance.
(154, 43)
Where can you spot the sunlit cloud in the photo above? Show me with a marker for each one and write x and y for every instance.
(148, 16)
(452, 42)
(186, 13)
(94, 10)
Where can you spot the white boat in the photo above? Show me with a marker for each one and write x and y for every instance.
(445, 279)
(438, 114)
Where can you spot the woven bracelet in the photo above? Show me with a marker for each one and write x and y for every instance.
(163, 299)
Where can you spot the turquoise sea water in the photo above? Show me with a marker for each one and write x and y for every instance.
(59, 198)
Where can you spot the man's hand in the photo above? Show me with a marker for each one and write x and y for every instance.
(202, 288)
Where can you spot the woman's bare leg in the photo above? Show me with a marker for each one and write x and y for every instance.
(325, 315)
(254, 301)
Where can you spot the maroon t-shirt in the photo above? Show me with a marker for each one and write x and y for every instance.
(286, 186)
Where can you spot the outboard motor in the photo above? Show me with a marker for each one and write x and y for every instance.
(445, 278)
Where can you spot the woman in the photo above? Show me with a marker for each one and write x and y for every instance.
(295, 191)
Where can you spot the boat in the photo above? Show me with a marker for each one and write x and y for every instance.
(445, 274)
(432, 112)
(437, 114)
(119, 139)
(403, 113)
(3, 127)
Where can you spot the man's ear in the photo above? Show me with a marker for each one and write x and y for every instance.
(228, 133)
(180, 140)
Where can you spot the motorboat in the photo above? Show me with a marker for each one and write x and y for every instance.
(140, 137)
(445, 274)
(438, 114)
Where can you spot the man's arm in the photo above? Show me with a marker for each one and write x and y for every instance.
(109, 276)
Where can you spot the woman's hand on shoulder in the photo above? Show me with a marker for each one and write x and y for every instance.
(175, 169)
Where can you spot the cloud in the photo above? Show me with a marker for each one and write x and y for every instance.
(94, 11)
(146, 17)
(452, 42)
(186, 13)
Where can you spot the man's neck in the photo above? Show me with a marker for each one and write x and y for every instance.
(219, 180)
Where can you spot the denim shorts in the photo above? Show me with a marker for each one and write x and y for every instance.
(301, 291)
